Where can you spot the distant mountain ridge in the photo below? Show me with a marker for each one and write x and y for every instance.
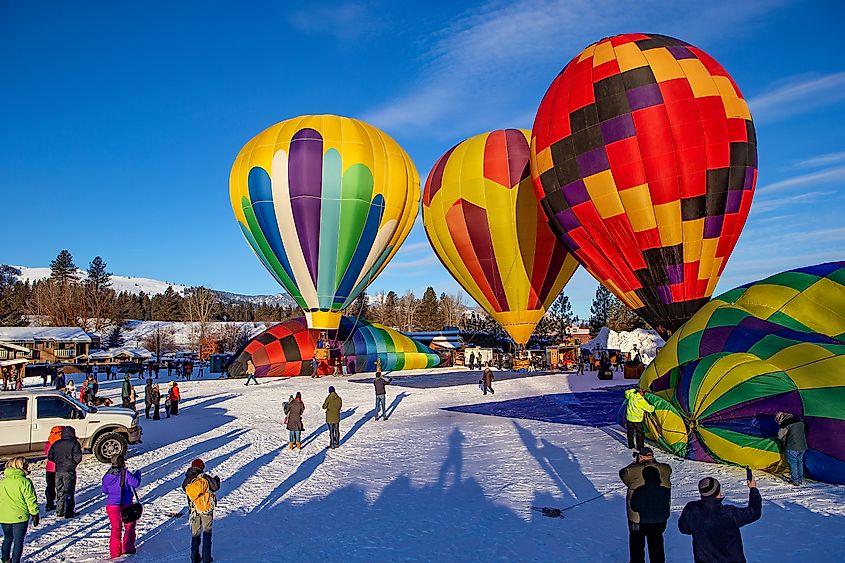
(136, 285)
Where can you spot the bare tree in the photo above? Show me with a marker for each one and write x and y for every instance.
(58, 304)
(200, 303)
(407, 308)
(232, 336)
(453, 308)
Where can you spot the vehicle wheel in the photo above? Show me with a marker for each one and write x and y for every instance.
(108, 445)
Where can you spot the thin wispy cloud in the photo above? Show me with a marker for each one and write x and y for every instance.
(800, 94)
(821, 160)
(491, 65)
(826, 176)
(345, 21)
(410, 264)
(779, 202)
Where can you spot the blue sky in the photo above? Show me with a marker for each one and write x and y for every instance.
(120, 122)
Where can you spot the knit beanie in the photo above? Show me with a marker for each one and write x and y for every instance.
(331, 389)
(198, 463)
(709, 487)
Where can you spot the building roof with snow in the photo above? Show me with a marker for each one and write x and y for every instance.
(124, 352)
(44, 334)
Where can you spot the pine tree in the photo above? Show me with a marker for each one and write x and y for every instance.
(360, 307)
(62, 269)
(10, 314)
(621, 318)
(600, 309)
(561, 317)
(99, 297)
(428, 314)
(389, 315)
(115, 337)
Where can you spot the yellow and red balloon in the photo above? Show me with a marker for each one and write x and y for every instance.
(483, 221)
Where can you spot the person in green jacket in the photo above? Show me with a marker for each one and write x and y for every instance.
(636, 407)
(332, 406)
(17, 505)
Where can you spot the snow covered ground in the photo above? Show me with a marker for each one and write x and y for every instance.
(428, 484)
(128, 284)
(185, 334)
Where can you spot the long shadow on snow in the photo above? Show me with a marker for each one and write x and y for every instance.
(450, 379)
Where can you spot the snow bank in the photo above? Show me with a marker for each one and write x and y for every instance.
(646, 341)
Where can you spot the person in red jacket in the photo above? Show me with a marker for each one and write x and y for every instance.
(50, 493)
(175, 397)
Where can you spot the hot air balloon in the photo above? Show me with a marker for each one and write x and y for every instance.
(325, 202)
(483, 221)
(644, 157)
(286, 349)
(777, 345)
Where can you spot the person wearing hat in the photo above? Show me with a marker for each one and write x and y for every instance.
(794, 439)
(714, 526)
(17, 506)
(647, 503)
(175, 396)
(636, 407)
(332, 406)
(126, 393)
(66, 454)
(200, 488)
(119, 486)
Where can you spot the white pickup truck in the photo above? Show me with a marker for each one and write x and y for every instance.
(26, 418)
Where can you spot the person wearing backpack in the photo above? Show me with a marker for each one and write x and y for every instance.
(294, 425)
(119, 486)
(200, 488)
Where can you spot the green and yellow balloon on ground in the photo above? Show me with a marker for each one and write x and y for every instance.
(777, 345)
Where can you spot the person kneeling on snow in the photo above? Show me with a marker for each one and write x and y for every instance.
(714, 527)
(200, 488)
(648, 504)
(636, 407)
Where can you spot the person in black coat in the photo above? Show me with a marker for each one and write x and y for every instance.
(66, 454)
(714, 526)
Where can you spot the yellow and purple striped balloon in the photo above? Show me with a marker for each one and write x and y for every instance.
(325, 202)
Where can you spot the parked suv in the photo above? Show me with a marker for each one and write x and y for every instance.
(26, 418)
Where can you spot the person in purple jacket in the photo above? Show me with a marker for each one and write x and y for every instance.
(118, 486)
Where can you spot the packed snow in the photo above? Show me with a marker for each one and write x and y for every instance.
(647, 342)
(186, 334)
(428, 484)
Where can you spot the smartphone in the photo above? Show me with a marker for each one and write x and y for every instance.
(748, 476)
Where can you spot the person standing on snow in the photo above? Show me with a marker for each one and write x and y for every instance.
(636, 408)
(794, 440)
(315, 365)
(148, 397)
(381, 394)
(119, 486)
(155, 397)
(126, 393)
(332, 406)
(200, 487)
(648, 504)
(294, 424)
(60, 381)
(50, 468)
(66, 453)
(715, 527)
(175, 396)
(17, 505)
(487, 381)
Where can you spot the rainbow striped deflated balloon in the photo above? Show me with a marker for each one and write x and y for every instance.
(325, 202)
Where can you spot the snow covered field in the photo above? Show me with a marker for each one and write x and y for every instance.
(428, 484)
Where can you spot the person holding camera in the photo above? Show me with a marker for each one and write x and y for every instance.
(17, 505)
(714, 526)
(119, 486)
(647, 503)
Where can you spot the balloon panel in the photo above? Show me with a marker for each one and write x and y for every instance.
(776, 345)
(483, 221)
(324, 202)
(644, 158)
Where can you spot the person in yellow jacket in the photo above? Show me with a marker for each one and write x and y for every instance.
(636, 408)
(332, 406)
(17, 505)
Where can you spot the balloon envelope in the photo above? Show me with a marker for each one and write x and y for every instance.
(777, 345)
(644, 157)
(325, 202)
(484, 223)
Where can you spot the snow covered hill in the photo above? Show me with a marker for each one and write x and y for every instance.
(132, 284)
